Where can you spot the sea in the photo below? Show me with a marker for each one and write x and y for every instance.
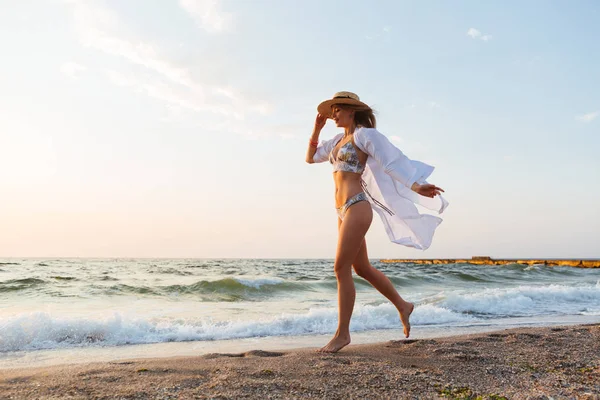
(55, 311)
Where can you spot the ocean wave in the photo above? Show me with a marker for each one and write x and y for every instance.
(231, 284)
(169, 271)
(234, 288)
(591, 312)
(36, 331)
(20, 284)
(524, 300)
(130, 289)
(256, 283)
(107, 278)
(64, 278)
(225, 289)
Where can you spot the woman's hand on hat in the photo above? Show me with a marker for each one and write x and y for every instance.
(320, 122)
(426, 190)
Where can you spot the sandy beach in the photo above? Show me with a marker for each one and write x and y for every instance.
(524, 363)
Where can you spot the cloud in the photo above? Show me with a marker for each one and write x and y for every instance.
(208, 15)
(72, 69)
(175, 98)
(100, 29)
(589, 117)
(179, 103)
(176, 85)
(433, 104)
(475, 34)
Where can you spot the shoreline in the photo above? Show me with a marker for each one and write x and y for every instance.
(515, 363)
(53, 357)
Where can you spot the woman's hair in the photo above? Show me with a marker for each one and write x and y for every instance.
(362, 117)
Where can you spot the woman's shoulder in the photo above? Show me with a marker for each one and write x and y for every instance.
(363, 133)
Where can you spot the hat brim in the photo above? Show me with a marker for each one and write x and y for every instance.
(325, 107)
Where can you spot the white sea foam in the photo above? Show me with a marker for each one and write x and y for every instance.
(35, 331)
(525, 300)
(31, 331)
(591, 312)
(258, 282)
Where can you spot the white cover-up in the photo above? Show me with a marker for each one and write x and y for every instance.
(387, 179)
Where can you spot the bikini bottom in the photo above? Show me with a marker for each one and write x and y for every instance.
(351, 201)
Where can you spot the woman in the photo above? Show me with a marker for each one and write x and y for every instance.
(370, 174)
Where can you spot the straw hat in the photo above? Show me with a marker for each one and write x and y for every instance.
(340, 98)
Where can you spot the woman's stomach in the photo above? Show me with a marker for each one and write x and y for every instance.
(347, 184)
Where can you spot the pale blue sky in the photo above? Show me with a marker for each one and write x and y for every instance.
(178, 128)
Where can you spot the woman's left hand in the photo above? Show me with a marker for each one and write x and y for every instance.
(426, 190)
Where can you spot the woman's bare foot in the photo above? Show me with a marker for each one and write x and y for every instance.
(405, 316)
(336, 344)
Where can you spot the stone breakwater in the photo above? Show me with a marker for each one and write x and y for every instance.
(490, 261)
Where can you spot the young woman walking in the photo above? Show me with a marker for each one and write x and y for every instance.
(370, 174)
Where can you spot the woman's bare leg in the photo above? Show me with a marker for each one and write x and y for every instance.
(351, 234)
(365, 270)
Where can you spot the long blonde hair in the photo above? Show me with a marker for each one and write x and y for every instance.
(362, 117)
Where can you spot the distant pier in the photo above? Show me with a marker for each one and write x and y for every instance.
(580, 263)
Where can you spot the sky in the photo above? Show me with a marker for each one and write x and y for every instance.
(178, 128)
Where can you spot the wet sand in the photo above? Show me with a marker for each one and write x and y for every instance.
(524, 363)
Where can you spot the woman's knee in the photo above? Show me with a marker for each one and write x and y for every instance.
(342, 269)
